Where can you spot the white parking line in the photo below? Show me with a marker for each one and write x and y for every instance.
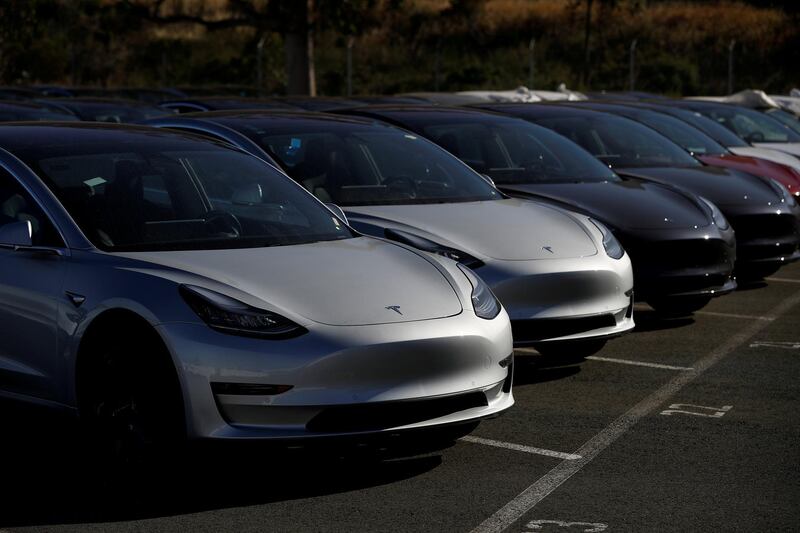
(541, 488)
(734, 315)
(521, 448)
(637, 363)
(783, 280)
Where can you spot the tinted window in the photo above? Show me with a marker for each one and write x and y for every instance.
(9, 115)
(364, 164)
(620, 142)
(752, 126)
(688, 137)
(16, 205)
(118, 114)
(517, 152)
(719, 133)
(787, 119)
(153, 196)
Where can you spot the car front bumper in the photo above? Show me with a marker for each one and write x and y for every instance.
(343, 380)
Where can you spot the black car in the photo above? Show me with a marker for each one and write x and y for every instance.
(763, 213)
(220, 103)
(19, 110)
(678, 265)
(106, 109)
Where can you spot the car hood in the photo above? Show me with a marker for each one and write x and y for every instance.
(509, 229)
(789, 148)
(766, 153)
(344, 283)
(626, 204)
(724, 187)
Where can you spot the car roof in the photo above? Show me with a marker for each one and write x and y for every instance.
(396, 111)
(252, 115)
(21, 135)
(91, 101)
(541, 110)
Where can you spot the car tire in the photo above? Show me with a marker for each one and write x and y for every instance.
(130, 402)
(676, 306)
(570, 350)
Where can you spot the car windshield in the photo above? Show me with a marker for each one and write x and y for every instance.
(9, 114)
(685, 136)
(752, 126)
(716, 131)
(352, 163)
(117, 113)
(512, 151)
(157, 195)
(620, 142)
(785, 118)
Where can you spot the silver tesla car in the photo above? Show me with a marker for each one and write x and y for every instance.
(164, 285)
(563, 277)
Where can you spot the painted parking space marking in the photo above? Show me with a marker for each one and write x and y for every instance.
(696, 410)
(521, 448)
(585, 527)
(734, 315)
(783, 280)
(637, 363)
(790, 345)
(545, 485)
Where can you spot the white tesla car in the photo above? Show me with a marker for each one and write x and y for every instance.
(163, 285)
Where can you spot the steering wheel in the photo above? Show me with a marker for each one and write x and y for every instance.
(223, 222)
(402, 183)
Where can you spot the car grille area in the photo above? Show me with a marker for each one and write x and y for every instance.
(383, 415)
(533, 330)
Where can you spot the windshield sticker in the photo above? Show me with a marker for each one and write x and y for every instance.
(94, 182)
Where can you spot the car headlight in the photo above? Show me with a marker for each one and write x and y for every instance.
(428, 245)
(716, 215)
(781, 189)
(613, 248)
(227, 315)
(484, 301)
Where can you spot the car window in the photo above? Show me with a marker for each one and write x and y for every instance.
(368, 164)
(752, 126)
(16, 205)
(511, 151)
(713, 129)
(680, 133)
(156, 197)
(620, 142)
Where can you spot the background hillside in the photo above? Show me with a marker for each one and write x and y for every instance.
(404, 45)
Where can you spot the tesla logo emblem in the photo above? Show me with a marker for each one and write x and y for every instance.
(395, 308)
(548, 248)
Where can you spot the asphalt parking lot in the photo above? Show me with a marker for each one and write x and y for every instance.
(687, 424)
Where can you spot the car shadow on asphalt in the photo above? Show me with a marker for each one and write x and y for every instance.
(47, 478)
(648, 320)
(532, 369)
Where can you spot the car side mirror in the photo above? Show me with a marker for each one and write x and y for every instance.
(336, 210)
(17, 234)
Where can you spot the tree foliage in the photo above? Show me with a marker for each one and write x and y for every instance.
(682, 46)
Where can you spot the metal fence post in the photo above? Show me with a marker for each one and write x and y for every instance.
(350, 41)
(531, 61)
(632, 73)
(731, 46)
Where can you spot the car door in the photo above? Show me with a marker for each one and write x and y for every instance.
(30, 294)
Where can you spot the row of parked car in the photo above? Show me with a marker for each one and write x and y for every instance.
(256, 270)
